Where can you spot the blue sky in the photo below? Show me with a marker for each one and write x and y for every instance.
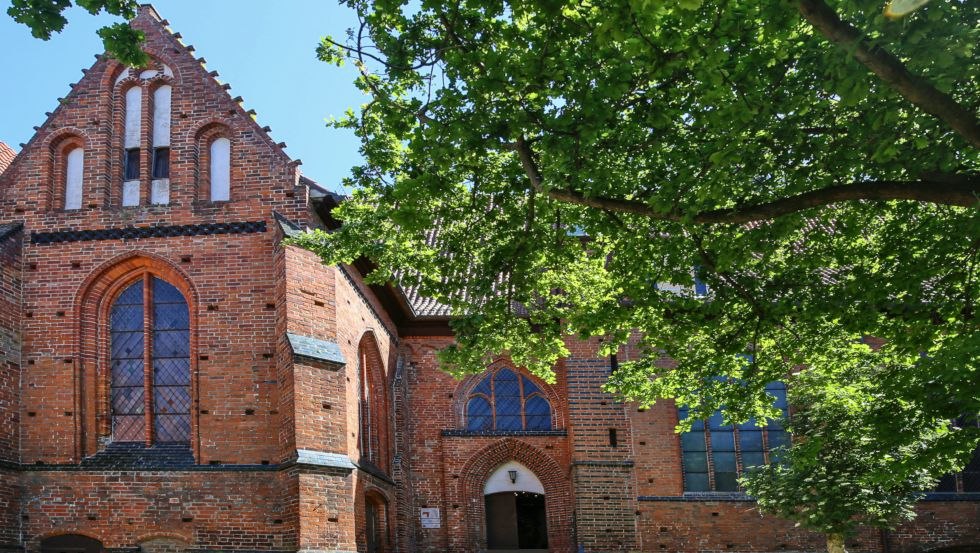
(265, 50)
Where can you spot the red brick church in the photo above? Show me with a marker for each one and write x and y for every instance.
(174, 378)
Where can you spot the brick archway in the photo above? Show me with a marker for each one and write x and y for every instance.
(93, 301)
(557, 488)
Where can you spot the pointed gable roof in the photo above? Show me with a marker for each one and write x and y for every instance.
(149, 21)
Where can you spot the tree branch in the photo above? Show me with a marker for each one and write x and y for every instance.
(960, 191)
(891, 70)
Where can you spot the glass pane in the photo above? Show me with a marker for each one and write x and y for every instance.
(478, 414)
(750, 441)
(172, 428)
(127, 400)
(507, 407)
(128, 428)
(171, 343)
(126, 350)
(483, 387)
(722, 441)
(696, 482)
(753, 459)
(171, 400)
(161, 163)
(131, 164)
(692, 441)
(749, 425)
(529, 387)
(127, 372)
(505, 385)
(726, 482)
(946, 484)
(164, 292)
(170, 316)
(537, 412)
(695, 461)
(172, 372)
(716, 422)
(723, 461)
(778, 438)
(971, 481)
(126, 345)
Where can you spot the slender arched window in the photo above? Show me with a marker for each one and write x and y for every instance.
(160, 185)
(74, 169)
(506, 401)
(373, 405)
(150, 363)
(131, 146)
(220, 170)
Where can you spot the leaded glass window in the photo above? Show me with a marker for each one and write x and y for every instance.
(155, 397)
(506, 401)
(715, 454)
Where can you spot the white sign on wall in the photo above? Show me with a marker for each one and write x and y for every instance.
(431, 518)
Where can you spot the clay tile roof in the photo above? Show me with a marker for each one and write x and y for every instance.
(7, 155)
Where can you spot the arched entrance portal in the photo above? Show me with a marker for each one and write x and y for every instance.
(515, 510)
(71, 543)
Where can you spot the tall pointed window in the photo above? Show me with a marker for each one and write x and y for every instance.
(715, 454)
(150, 363)
(506, 401)
(160, 185)
(74, 169)
(220, 170)
(131, 147)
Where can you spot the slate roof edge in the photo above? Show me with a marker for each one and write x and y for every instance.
(9, 229)
(315, 348)
(289, 228)
(315, 458)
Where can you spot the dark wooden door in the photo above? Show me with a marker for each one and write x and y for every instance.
(516, 521)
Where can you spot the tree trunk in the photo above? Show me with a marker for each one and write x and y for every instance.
(835, 543)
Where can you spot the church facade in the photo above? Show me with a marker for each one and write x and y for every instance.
(173, 377)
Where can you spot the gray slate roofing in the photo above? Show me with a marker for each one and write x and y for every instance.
(315, 348)
(6, 229)
(323, 459)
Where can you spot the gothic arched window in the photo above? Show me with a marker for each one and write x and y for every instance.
(506, 401)
(149, 353)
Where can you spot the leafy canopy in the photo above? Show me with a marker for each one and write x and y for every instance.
(547, 168)
(46, 17)
(552, 169)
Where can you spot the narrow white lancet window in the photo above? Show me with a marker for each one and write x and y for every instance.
(160, 185)
(74, 168)
(220, 173)
(131, 144)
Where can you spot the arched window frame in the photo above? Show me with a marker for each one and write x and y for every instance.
(61, 147)
(205, 139)
(135, 181)
(710, 439)
(147, 277)
(374, 437)
(491, 376)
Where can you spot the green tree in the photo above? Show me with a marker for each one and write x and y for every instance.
(46, 17)
(840, 471)
(816, 165)
(544, 168)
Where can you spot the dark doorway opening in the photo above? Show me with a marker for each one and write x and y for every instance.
(71, 543)
(375, 524)
(516, 521)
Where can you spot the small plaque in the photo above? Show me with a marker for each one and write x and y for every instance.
(431, 518)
